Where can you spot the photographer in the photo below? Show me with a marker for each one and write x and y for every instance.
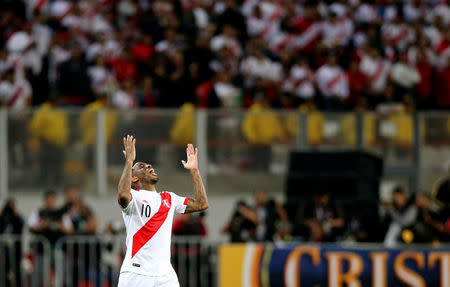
(242, 224)
(402, 214)
(11, 222)
(320, 219)
(49, 221)
(80, 214)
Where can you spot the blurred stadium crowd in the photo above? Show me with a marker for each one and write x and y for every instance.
(407, 219)
(75, 217)
(332, 55)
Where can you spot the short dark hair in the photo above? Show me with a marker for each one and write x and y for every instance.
(398, 189)
(49, 192)
(69, 187)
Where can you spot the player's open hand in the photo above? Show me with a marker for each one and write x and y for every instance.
(129, 148)
(192, 158)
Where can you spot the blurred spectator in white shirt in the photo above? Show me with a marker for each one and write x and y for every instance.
(170, 44)
(101, 76)
(333, 84)
(376, 69)
(125, 97)
(337, 32)
(227, 39)
(15, 91)
(258, 67)
(229, 95)
(398, 32)
(404, 75)
(300, 81)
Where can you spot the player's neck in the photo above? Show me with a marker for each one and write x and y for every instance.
(148, 186)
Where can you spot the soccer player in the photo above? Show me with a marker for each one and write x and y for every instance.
(148, 217)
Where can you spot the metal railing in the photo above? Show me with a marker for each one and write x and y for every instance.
(25, 261)
(195, 261)
(88, 260)
(96, 261)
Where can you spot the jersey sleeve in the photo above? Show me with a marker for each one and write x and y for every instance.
(129, 208)
(179, 202)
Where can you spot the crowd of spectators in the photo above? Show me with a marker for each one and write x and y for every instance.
(329, 54)
(406, 218)
(50, 220)
(74, 217)
(392, 56)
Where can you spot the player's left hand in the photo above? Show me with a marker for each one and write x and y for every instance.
(192, 158)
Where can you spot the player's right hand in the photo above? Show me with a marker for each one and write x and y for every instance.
(129, 148)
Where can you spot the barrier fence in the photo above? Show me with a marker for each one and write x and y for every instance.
(25, 262)
(94, 261)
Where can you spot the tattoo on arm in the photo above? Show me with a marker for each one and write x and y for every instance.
(125, 185)
(200, 200)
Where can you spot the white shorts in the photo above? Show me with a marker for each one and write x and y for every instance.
(129, 279)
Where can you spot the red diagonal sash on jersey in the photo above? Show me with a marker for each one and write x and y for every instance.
(143, 235)
(39, 5)
(15, 97)
(67, 12)
(284, 43)
(400, 36)
(442, 46)
(334, 81)
(310, 34)
(275, 16)
(379, 71)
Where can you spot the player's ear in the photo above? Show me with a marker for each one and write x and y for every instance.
(134, 179)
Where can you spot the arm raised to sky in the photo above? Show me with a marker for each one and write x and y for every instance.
(124, 194)
(200, 200)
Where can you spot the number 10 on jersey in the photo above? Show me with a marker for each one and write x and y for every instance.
(145, 208)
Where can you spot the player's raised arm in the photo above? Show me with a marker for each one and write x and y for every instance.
(124, 195)
(200, 200)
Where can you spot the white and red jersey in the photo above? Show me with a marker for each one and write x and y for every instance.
(15, 95)
(338, 33)
(262, 68)
(376, 70)
(148, 221)
(300, 82)
(413, 13)
(442, 53)
(440, 9)
(281, 41)
(400, 35)
(366, 13)
(37, 6)
(222, 41)
(310, 32)
(433, 35)
(124, 100)
(332, 81)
